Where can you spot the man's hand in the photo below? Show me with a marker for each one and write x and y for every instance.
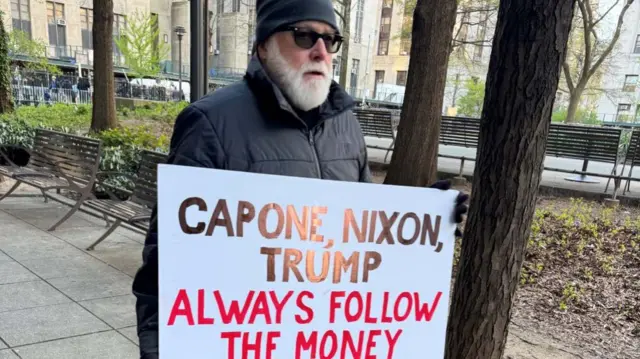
(461, 206)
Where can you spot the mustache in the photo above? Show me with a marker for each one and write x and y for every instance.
(315, 67)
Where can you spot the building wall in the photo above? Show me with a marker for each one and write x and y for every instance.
(625, 62)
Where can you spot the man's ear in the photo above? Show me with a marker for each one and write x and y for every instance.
(262, 51)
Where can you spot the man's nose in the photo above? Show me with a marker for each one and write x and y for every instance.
(319, 51)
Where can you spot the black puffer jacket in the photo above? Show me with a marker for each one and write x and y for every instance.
(250, 126)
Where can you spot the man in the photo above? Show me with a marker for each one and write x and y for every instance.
(286, 117)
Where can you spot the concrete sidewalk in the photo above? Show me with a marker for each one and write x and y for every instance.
(58, 301)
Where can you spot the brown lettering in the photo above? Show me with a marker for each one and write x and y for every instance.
(301, 225)
(387, 223)
(292, 264)
(428, 228)
(182, 215)
(372, 261)
(340, 265)
(416, 230)
(246, 213)
(225, 221)
(262, 221)
(316, 223)
(271, 261)
(311, 273)
(350, 221)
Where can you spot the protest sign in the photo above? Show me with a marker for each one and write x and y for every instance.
(272, 267)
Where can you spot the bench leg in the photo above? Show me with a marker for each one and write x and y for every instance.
(389, 150)
(627, 187)
(15, 186)
(44, 195)
(105, 235)
(613, 172)
(70, 213)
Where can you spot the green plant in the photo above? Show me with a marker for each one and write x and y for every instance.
(20, 44)
(470, 104)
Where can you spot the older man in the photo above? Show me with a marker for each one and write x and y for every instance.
(287, 117)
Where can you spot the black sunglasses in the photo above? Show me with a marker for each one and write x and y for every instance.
(306, 39)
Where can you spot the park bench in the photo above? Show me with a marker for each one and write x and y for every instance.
(58, 161)
(459, 132)
(632, 157)
(377, 123)
(586, 143)
(135, 211)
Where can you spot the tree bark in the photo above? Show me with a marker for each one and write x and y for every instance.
(529, 47)
(574, 101)
(345, 17)
(6, 101)
(104, 102)
(415, 157)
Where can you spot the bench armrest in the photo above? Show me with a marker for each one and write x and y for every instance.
(71, 182)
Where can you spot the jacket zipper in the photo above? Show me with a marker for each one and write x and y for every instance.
(315, 153)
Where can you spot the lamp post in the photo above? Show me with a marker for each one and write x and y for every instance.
(180, 31)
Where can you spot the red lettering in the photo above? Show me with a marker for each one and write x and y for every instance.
(271, 345)
(371, 343)
(396, 308)
(347, 341)
(385, 304)
(260, 307)
(302, 343)
(305, 308)
(333, 305)
(347, 313)
(231, 344)
(248, 346)
(424, 310)
(202, 320)
(181, 306)
(279, 304)
(367, 316)
(333, 346)
(392, 341)
(234, 308)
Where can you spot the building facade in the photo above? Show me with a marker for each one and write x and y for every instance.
(619, 100)
(469, 58)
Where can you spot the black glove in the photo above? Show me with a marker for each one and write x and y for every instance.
(461, 206)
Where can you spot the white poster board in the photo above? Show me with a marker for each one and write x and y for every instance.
(271, 267)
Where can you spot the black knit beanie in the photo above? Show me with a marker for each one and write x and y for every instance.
(273, 15)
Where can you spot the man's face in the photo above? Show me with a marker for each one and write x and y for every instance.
(303, 74)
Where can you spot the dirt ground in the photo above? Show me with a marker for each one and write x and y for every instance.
(579, 293)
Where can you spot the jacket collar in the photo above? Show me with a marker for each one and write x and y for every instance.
(269, 94)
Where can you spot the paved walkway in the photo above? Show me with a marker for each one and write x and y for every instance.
(58, 301)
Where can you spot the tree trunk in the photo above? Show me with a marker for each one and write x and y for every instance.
(529, 45)
(104, 102)
(6, 102)
(344, 61)
(574, 101)
(415, 157)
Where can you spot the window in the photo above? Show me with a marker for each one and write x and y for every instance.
(401, 78)
(220, 6)
(21, 16)
(385, 27)
(630, 83)
(378, 80)
(337, 65)
(357, 36)
(235, 6)
(624, 112)
(86, 26)
(636, 47)
(355, 70)
(119, 25)
(57, 28)
(405, 35)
